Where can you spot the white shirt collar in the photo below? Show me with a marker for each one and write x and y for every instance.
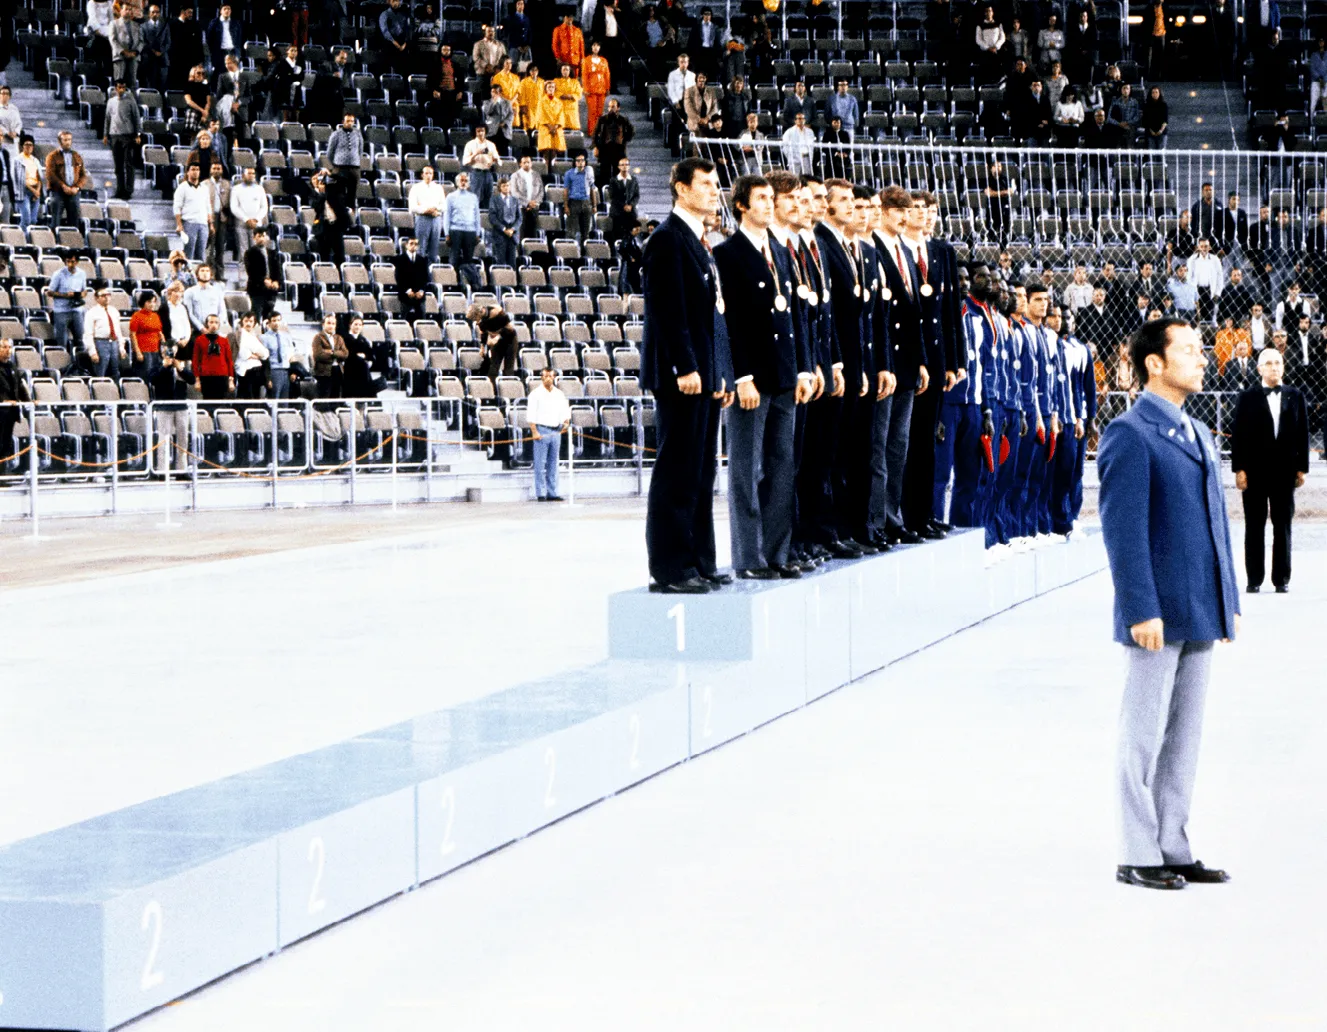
(759, 239)
(783, 236)
(691, 222)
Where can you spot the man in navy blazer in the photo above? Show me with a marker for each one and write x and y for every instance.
(1163, 517)
(685, 362)
(772, 373)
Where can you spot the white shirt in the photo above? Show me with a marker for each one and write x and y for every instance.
(1258, 333)
(251, 353)
(1078, 295)
(424, 196)
(548, 408)
(798, 146)
(193, 203)
(227, 43)
(98, 324)
(176, 324)
(610, 23)
(475, 149)
(678, 83)
(1205, 271)
(1274, 403)
(691, 222)
(249, 201)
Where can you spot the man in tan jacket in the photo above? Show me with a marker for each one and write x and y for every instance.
(65, 176)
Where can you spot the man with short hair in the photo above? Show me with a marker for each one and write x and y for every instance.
(262, 270)
(623, 199)
(486, 58)
(549, 414)
(345, 148)
(103, 343)
(225, 38)
(611, 136)
(843, 105)
(579, 205)
(280, 352)
(121, 128)
(527, 187)
(156, 49)
(126, 45)
(194, 218)
(1183, 292)
(680, 79)
(13, 388)
(65, 176)
(480, 157)
(504, 218)
(219, 197)
(11, 133)
(499, 117)
(412, 279)
(66, 291)
(460, 227)
(1163, 519)
(249, 208)
(1207, 277)
(204, 298)
(799, 146)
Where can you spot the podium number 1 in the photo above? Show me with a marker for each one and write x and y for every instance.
(679, 614)
(152, 917)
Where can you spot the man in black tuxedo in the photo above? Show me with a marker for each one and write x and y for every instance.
(1236, 299)
(1240, 372)
(1234, 225)
(842, 264)
(772, 374)
(412, 279)
(685, 362)
(902, 290)
(1303, 355)
(1269, 453)
(262, 267)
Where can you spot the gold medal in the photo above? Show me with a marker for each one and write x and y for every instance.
(825, 298)
(718, 303)
(857, 289)
(927, 290)
(887, 294)
(802, 292)
(780, 303)
(812, 299)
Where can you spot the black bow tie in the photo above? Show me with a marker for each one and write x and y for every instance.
(1271, 390)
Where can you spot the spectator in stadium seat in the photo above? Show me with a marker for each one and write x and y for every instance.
(395, 27)
(579, 205)
(519, 37)
(13, 387)
(991, 46)
(1241, 371)
(1304, 358)
(358, 382)
(1078, 293)
(496, 337)
(611, 137)
(329, 356)
(445, 91)
(1020, 44)
(192, 206)
(480, 157)
(623, 200)
(1080, 49)
(331, 219)
(205, 298)
(1205, 214)
(145, 336)
(262, 269)
(1318, 75)
(126, 39)
(213, 361)
(225, 37)
(569, 44)
(1156, 54)
(298, 11)
(550, 142)
(104, 346)
(1259, 327)
(1050, 42)
(1236, 297)
(528, 188)
(205, 152)
(504, 219)
(281, 351)
(1182, 242)
(412, 279)
(799, 144)
(122, 130)
(699, 105)
(1234, 225)
(836, 157)
(754, 157)
(219, 196)
(508, 83)
(250, 356)
(569, 91)
(499, 117)
(156, 49)
(249, 208)
(28, 183)
(1125, 116)
(1208, 278)
(426, 200)
(186, 37)
(1031, 116)
(345, 148)
(735, 104)
(528, 98)
(798, 103)
(596, 81)
(1183, 292)
(1055, 83)
(549, 416)
(486, 58)
(843, 105)
(1292, 307)
(197, 100)
(1069, 116)
(1156, 119)
(460, 226)
(65, 176)
(175, 322)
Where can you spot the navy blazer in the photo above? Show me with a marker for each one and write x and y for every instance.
(821, 315)
(846, 304)
(677, 279)
(1163, 517)
(762, 339)
(905, 317)
(945, 259)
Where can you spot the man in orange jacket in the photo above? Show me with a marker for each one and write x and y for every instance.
(596, 77)
(569, 45)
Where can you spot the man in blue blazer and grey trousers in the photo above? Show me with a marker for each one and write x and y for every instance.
(1163, 515)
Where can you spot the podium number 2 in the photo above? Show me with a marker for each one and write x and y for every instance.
(551, 762)
(152, 917)
(634, 725)
(679, 614)
(317, 857)
(449, 805)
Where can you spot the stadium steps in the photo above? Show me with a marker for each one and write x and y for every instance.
(1205, 115)
(651, 160)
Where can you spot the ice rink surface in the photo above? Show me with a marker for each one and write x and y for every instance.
(930, 848)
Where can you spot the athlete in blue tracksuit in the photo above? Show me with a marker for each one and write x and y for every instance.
(960, 450)
(1018, 372)
(1080, 386)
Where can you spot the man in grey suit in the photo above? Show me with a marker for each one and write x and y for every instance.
(773, 375)
(1163, 517)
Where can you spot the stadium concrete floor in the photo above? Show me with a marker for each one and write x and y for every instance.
(930, 848)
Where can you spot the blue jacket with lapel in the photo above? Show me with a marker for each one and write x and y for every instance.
(1163, 516)
(904, 315)
(761, 339)
(847, 305)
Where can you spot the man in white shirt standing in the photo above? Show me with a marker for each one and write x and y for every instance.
(680, 79)
(193, 214)
(103, 342)
(427, 199)
(799, 146)
(1207, 277)
(249, 208)
(549, 415)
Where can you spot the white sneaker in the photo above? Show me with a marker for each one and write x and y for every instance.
(1020, 545)
(997, 553)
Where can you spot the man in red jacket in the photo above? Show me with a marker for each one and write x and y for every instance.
(214, 363)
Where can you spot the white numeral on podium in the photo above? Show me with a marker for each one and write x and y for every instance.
(634, 725)
(317, 857)
(705, 729)
(679, 614)
(551, 762)
(152, 916)
(448, 804)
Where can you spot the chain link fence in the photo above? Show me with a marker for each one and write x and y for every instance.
(1233, 240)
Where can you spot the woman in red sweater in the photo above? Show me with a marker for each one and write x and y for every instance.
(214, 362)
(145, 332)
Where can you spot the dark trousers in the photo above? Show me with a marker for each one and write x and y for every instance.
(8, 418)
(991, 479)
(262, 301)
(461, 244)
(889, 454)
(815, 492)
(919, 473)
(64, 208)
(961, 453)
(1029, 473)
(679, 522)
(122, 149)
(1080, 458)
(1063, 468)
(1280, 500)
(852, 465)
(760, 480)
(1008, 483)
(214, 388)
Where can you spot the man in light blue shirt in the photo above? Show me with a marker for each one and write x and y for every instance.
(66, 291)
(844, 105)
(280, 349)
(206, 298)
(460, 227)
(579, 182)
(1183, 292)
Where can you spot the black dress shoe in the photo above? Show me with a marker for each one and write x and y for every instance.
(787, 570)
(718, 579)
(844, 550)
(1149, 877)
(820, 553)
(939, 529)
(929, 533)
(690, 586)
(1253, 589)
(1196, 872)
(554, 498)
(903, 536)
(1281, 589)
(941, 525)
(862, 546)
(880, 542)
(759, 573)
